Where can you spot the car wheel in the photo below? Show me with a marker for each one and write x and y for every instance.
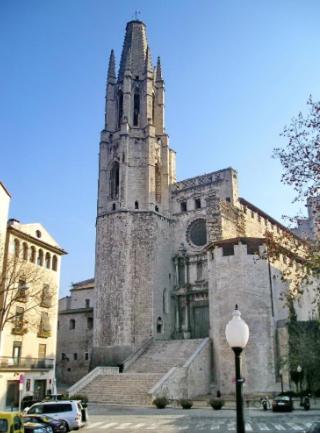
(66, 426)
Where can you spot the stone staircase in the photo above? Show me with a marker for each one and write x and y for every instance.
(162, 355)
(125, 388)
(133, 385)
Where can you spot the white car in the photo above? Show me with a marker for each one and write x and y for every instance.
(70, 411)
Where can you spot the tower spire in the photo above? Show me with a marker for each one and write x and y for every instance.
(148, 63)
(158, 70)
(112, 68)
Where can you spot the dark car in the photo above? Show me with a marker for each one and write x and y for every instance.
(35, 427)
(57, 425)
(282, 403)
(314, 428)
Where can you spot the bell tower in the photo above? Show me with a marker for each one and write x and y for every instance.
(136, 164)
(136, 169)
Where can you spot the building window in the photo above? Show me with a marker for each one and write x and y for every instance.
(183, 206)
(90, 322)
(197, 203)
(199, 271)
(136, 205)
(18, 328)
(54, 263)
(87, 303)
(156, 208)
(63, 357)
(75, 356)
(158, 183)
(136, 109)
(159, 325)
(197, 232)
(48, 260)
(25, 251)
(16, 248)
(42, 351)
(228, 250)
(22, 291)
(46, 296)
(113, 206)
(86, 356)
(16, 352)
(40, 258)
(72, 324)
(165, 301)
(120, 107)
(44, 328)
(33, 254)
(181, 272)
(114, 181)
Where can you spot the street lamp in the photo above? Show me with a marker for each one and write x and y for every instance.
(237, 335)
(299, 371)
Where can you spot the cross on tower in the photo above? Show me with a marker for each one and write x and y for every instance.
(136, 14)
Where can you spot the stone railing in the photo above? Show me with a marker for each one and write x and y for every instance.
(85, 380)
(188, 381)
(135, 355)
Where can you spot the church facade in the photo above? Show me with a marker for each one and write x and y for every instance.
(173, 258)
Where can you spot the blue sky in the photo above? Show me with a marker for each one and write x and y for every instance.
(235, 73)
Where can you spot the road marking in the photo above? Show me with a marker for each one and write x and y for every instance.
(215, 427)
(110, 424)
(95, 424)
(123, 426)
(184, 427)
(152, 427)
(294, 426)
(138, 425)
(279, 427)
(262, 426)
(231, 427)
(248, 427)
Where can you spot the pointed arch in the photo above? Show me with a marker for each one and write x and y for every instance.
(120, 107)
(157, 183)
(114, 180)
(136, 108)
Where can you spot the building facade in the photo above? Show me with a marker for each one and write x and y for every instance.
(29, 283)
(173, 258)
(75, 333)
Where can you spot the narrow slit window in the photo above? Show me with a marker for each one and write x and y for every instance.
(136, 109)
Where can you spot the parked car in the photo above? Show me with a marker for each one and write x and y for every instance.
(282, 403)
(11, 422)
(70, 411)
(36, 427)
(57, 425)
(314, 428)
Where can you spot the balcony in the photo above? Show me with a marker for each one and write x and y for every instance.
(9, 363)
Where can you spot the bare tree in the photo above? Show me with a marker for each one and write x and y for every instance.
(24, 287)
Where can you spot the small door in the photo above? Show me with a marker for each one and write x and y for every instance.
(12, 397)
(201, 322)
(39, 391)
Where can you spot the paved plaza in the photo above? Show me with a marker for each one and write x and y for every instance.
(129, 419)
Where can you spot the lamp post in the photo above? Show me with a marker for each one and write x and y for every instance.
(299, 371)
(237, 335)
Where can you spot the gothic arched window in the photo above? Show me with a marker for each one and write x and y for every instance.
(114, 181)
(136, 109)
(153, 108)
(120, 107)
(158, 183)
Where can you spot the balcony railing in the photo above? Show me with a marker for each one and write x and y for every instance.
(7, 362)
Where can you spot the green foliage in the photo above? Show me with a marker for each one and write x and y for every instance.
(186, 404)
(216, 403)
(304, 350)
(160, 402)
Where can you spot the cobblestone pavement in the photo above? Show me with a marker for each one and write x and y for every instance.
(142, 420)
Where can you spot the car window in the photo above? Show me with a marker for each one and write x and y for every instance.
(36, 409)
(55, 408)
(3, 425)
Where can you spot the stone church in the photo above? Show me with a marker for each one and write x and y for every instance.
(173, 258)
